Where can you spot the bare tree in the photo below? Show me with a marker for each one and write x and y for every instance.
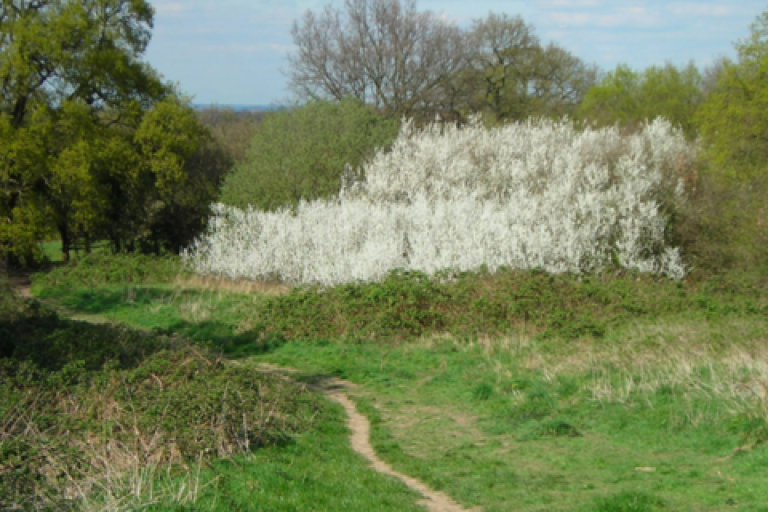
(513, 76)
(384, 52)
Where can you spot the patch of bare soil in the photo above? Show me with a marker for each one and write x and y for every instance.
(360, 427)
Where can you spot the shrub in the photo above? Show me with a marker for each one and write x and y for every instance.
(84, 404)
(98, 268)
(300, 153)
(539, 194)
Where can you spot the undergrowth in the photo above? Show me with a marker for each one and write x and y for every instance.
(603, 392)
(83, 404)
(102, 268)
(409, 305)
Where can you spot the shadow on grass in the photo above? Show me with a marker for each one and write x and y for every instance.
(222, 337)
(38, 335)
(103, 302)
(158, 310)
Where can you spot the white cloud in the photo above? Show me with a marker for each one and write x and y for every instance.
(699, 9)
(574, 4)
(622, 17)
(170, 8)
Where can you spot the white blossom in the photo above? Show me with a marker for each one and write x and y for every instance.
(538, 194)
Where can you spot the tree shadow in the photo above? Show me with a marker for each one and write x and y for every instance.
(224, 338)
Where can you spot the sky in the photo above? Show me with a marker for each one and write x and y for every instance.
(234, 51)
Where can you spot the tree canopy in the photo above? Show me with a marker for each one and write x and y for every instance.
(93, 143)
(411, 63)
(631, 97)
(386, 53)
(513, 75)
(734, 119)
(301, 153)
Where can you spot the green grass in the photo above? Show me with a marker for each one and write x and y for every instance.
(51, 250)
(319, 471)
(491, 430)
(549, 393)
(85, 402)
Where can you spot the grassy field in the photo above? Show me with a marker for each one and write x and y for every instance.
(105, 417)
(507, 392)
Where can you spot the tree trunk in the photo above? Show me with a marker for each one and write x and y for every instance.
(66, 242)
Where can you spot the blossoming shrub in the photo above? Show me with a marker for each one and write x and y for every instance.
(539, 194)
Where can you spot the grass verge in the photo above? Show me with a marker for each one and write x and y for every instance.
(87, 404)
(493, 424)
(546, 392)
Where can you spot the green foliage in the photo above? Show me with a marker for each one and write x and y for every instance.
(99, 268)
(632, 97)
(93, 144)
(722, 225)
(81, 401)
(407, 305)
(725, 222)
(301, 153)
(733, 120)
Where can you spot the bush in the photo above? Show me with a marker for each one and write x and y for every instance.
(83, 404)
(98, 268)
(539, 194)
(301, 153)
(409, 305)
(723, 227)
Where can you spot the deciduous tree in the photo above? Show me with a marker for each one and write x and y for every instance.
(386, 53)
(91, 135)
(514, 76)
(631, 97)
(734, 119)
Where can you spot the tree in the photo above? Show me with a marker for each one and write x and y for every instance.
(383, 52)
(734, 119)
(631, 97)
(232, 130)
(512, 76)
(91, 136)
(301, 153)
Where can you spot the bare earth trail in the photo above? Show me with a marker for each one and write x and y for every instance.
(359, 426)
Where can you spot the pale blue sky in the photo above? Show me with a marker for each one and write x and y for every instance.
(233, 51)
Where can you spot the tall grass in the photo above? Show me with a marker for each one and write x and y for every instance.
(92, 416)
(539, 194)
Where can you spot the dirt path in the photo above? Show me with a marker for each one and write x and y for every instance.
(360, 427)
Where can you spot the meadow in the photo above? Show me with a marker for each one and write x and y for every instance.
(608, 393)
(553, 350)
